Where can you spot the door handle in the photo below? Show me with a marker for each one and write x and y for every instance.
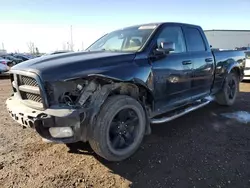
(208, 60)
(188, 62)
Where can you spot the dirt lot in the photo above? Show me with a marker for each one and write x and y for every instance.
(201, 149)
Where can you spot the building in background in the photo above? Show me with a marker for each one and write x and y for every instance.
(228, 39)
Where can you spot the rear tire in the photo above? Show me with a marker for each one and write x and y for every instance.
(229, 92)
(119, 129)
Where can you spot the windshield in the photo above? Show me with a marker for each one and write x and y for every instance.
(130, 39)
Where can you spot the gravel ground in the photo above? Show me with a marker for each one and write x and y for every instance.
(201, 149)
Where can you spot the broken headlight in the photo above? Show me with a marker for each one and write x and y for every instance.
(70, 93)
(64, 93)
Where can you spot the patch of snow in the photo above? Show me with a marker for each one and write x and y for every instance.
(241, 116)
(209, 98)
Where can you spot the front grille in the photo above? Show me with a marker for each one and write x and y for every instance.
(25, 80)
(29, 90)
(31, 96)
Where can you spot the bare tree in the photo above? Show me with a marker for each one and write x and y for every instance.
(37, 51)
(31, 47)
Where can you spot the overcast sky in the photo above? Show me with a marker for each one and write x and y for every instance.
(47, 23)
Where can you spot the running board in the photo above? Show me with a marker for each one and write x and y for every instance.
(183, 112)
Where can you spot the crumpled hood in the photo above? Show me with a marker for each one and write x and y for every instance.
(76, 64)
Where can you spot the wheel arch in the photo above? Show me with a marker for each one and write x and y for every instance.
(135, 83)
(236, 70)
(234, 67)
(134, 88)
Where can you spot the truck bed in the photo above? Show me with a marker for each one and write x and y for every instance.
(223, 59)
(247, 67)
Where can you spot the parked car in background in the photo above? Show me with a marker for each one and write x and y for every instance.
(23, 57)
(13, 59)
(247, 66)
(4, 65)
(243, 48)
(8, 62)
(31, 56)
(219, 49)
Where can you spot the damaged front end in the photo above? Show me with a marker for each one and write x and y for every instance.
(84, 96)
(70, 109)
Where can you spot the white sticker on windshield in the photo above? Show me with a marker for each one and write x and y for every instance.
(147, 27)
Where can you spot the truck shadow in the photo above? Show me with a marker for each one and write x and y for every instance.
(80, 148)
(178, 153)
(4, 77)
(246, 81)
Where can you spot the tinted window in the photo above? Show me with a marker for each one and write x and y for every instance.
(194, 40)
(175, 35)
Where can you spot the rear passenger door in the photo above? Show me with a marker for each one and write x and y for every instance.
(202, 60)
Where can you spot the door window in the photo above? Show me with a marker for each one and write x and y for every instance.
(173, 34)
(194, 40)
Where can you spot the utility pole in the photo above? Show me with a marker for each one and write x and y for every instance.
(82, 46)
(71, 38)
(68, 46)
(2, 46)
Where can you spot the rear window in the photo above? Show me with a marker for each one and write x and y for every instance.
(194, 40)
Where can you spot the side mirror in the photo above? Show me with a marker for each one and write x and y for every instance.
(168, 46)
(165, 48)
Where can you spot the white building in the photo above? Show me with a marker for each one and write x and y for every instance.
(228, 39)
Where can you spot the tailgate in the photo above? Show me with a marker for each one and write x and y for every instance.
(247, 63)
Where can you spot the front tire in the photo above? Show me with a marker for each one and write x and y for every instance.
(229, 92)
(119, 129)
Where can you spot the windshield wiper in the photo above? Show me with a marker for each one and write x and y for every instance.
(113, 50)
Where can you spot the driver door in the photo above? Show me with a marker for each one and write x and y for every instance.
(172, 72)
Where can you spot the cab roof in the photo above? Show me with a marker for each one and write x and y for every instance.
(157, 24)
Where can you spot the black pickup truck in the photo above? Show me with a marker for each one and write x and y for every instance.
(128, 80)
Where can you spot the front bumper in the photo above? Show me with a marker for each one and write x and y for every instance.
(41, 121)
(246, 75)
